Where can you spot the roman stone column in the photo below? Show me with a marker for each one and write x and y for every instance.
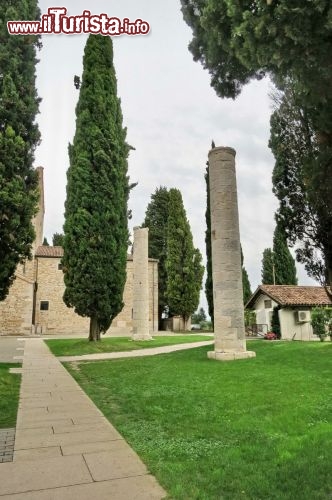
(229, 331)
(141, 285)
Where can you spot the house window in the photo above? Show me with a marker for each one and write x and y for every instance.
(60, 266)
(267, 304)
(44, 305)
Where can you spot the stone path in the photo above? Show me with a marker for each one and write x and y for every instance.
(64, 447)
(139, 352)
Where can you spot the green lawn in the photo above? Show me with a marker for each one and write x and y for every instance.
(76, 347)
(248, 429)
(9, 395)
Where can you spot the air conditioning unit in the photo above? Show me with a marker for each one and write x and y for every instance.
(303, 316)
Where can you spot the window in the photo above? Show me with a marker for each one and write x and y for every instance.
(267, 304)
(60, 266)
(44, 305)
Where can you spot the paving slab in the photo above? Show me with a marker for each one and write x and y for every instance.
(23, 442)
(19, 477)
(114, 464)
(64, 446)
(84, 448)
(132, 488)
(37, 453)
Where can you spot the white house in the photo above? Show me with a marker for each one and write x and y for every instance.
(294, 308)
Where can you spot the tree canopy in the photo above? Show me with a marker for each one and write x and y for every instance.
(57, 239)
(96, 224)
(238, 41)
(244, 40)
(209, 278)
(268, 276)
(301, 183)
(19, 136)
(285, 270)
(183, 262)
(156, 217)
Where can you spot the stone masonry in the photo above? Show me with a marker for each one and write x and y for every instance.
(226, 258)
(34, 303)
(141, 285)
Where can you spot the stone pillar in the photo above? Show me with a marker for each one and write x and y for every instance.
(141, 285)
(229, 331)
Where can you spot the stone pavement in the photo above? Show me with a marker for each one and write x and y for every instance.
(64, 447)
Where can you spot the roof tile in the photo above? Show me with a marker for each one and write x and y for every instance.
(289, 295)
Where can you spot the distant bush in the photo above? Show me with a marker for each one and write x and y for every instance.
(321, 322)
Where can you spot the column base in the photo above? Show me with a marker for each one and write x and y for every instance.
(230, 355)
(141, 336)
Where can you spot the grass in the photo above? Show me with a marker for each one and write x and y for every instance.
(249, 429)
(77, 347)
(9, 395)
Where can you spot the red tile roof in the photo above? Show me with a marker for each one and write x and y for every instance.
(46, 251)
(289, 295)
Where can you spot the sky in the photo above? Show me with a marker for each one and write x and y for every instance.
(171, 113)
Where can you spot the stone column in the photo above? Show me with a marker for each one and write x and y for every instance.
(141, 285)
(229, 331)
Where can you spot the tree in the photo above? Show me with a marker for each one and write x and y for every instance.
(198, 317)
(183, 261)
(156, 217)
(209, 278)
(268, 275)
(275, 322)
(290, 41)
(319, 322)
(45, 242)
(285, 270)
(95, 229)
(245, 282)
(240, 41)
(300, 182)
(19, 136)
(57, 239)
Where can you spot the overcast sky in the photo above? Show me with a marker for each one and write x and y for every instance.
(171, 113)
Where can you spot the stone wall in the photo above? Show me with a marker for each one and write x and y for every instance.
(58, 319)
(16, 311)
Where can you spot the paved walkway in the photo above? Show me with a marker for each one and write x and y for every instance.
(152, 351)
(64, 447)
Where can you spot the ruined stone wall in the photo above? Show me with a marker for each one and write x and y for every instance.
(59, 319)
(16, 309)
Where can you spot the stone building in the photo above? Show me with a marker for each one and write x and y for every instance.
(34, 303)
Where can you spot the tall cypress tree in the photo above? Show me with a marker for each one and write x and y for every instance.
(209, 279)
(245, 282)
(285, 270)
(183, 263)
(156, 217)
(96, 224)
(19, 136)
(268, 275)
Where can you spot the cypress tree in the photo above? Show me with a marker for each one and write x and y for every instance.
(267, 267)
(183, 263)
(57, 240)
(209, 279)
(156, 217)
(245, 282)
(275, 322)
(19, 136)
(285, 270)
(96, 223)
